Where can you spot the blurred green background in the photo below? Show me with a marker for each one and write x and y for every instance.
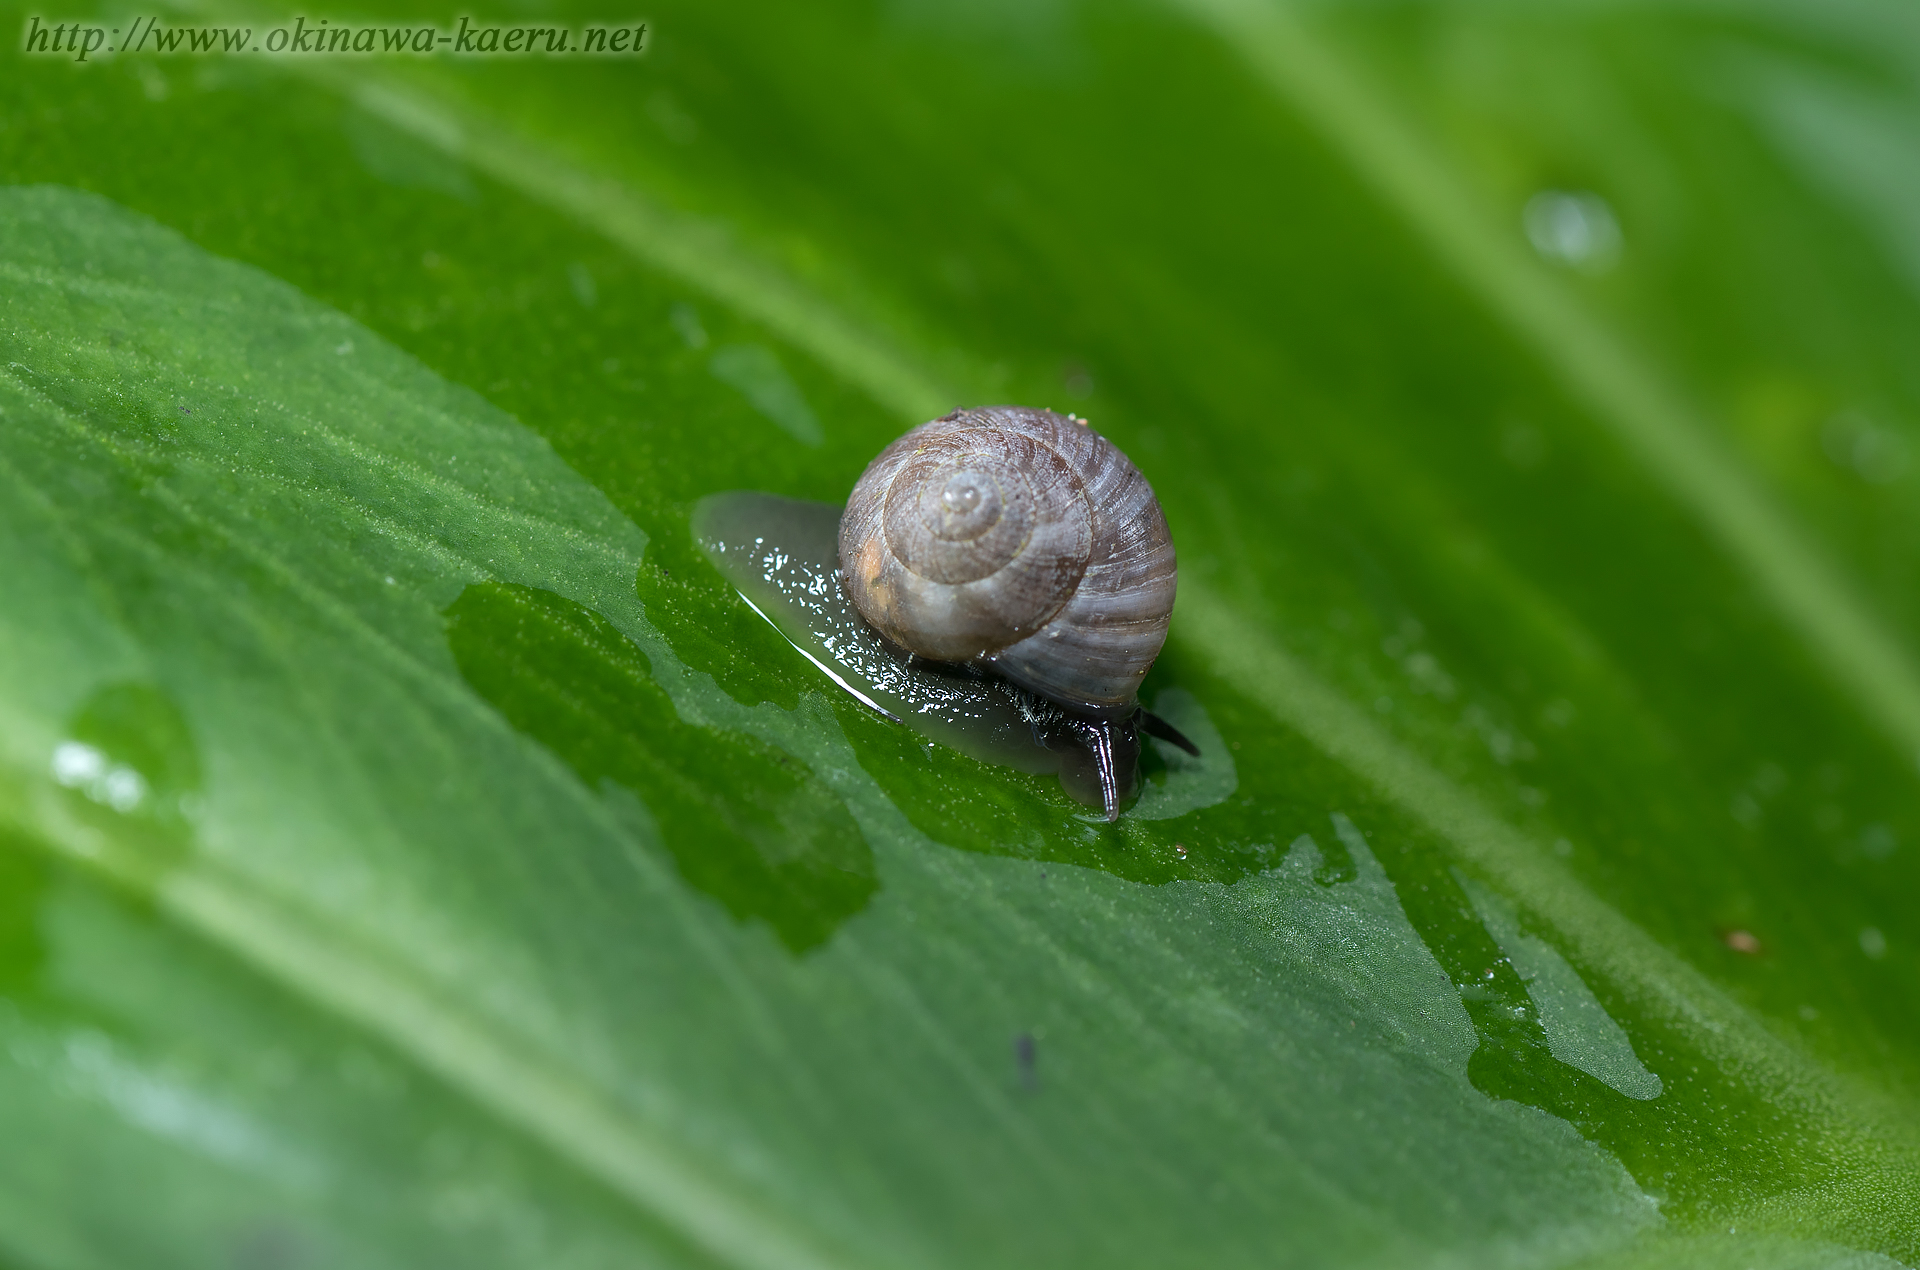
(412, 853)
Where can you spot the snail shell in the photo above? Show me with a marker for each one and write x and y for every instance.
(1017, 540)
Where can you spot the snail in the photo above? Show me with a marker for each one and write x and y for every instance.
(1021, 544)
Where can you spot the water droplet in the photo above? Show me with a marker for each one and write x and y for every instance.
(132, 765)
(123, 789)
(756, 373)
(1523, 445)
(76, 763)
(1877, 455)
(1877, 842)
(1574, 228)
(581, 281)
(687, 322)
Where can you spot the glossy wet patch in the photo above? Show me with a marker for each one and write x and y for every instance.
(778, 846)
(782, 555)
(1175, 782)
(1580, 1032)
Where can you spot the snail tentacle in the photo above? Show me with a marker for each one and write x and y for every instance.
(1153, 725)
(1115, 746)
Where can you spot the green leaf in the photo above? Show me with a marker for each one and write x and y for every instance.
(414, 851)
(773, 843)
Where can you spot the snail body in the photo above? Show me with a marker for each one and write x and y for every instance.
(1024, 544)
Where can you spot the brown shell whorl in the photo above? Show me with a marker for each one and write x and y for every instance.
(1017, 539)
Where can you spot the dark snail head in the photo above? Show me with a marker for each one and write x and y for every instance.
(1019, 541)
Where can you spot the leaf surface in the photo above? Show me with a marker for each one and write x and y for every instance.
(417, 852)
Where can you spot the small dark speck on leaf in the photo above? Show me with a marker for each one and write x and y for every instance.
(1026, 1057)
(185, 411)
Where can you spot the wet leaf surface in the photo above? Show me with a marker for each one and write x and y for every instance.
(415, 851)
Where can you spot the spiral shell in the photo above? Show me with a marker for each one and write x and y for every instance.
(1019, 540)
